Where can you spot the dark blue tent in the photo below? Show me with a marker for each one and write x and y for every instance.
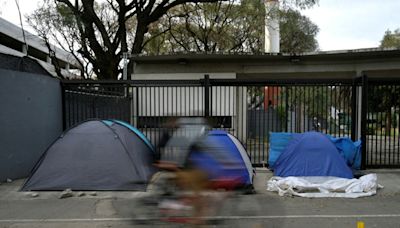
(95, 155)
(226, 158)
(311, 154)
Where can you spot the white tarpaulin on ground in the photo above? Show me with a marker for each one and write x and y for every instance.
(316, 187)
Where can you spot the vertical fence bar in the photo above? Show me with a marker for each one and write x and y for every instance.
(370, 136)
(229, 113)
(211, 100)
(266, 109)
(332, 110)
(387, 131)
(353, 110)
(364, 111)
(398, 131)
(254, 131)
(248, 118)
(200, 101)
(296, 127)
(190, 101)
(159, 129)
(137, 107)
(258, 130)
(218, 106)
(376, 113)
(380, 117)
(63, 108)
(313, 109)
(128, 103)
(304, 104)
(286, 108)
(327, 109)
(206, 95)
(395, 134)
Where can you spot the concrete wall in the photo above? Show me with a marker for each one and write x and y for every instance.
(30, 120)
(184, 101)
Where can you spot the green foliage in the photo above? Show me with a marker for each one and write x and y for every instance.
(391, 39)
(98, 33)
(209, 28)
(302, 4)
(382, 99)
(319, 102)
(230, 27)
(298, 33)
(65, 15)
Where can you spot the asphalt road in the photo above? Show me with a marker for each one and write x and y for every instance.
(264, 209)
(244, 211)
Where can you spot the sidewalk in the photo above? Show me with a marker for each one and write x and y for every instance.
(389, 178)
(264, 209)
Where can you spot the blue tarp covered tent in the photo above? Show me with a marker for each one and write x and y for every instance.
(311, 154)
(349, 150)
(227, 158)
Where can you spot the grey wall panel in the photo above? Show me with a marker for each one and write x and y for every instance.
(30, 120)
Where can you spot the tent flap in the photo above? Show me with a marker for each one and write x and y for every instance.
(231, 150)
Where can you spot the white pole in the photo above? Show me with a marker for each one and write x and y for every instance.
(125, 70)
(272, 33)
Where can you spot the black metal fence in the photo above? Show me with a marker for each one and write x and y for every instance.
(382, 124)
(249, 110)
(84, 101)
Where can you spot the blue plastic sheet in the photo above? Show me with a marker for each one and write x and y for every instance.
(278, 143)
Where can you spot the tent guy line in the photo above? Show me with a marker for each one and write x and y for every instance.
(213, 218)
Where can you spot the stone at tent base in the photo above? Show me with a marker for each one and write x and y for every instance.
(80, 194)
(66, 193)
(92, 193)
(32, 194)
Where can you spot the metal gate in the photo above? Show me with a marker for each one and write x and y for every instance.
(382, 124)
(248, 109)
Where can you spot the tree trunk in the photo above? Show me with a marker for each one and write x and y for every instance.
(108, 69)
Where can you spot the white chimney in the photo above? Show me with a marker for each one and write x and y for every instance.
(272, 36)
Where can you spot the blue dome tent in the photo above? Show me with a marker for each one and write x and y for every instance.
(311, 154)
(95, 155)
(230, 151)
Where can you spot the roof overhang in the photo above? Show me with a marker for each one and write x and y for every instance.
(331, 64)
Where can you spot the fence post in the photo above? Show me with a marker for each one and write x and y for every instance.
(206, 95)
(63, 109)
(354, 109)
(364, 110)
